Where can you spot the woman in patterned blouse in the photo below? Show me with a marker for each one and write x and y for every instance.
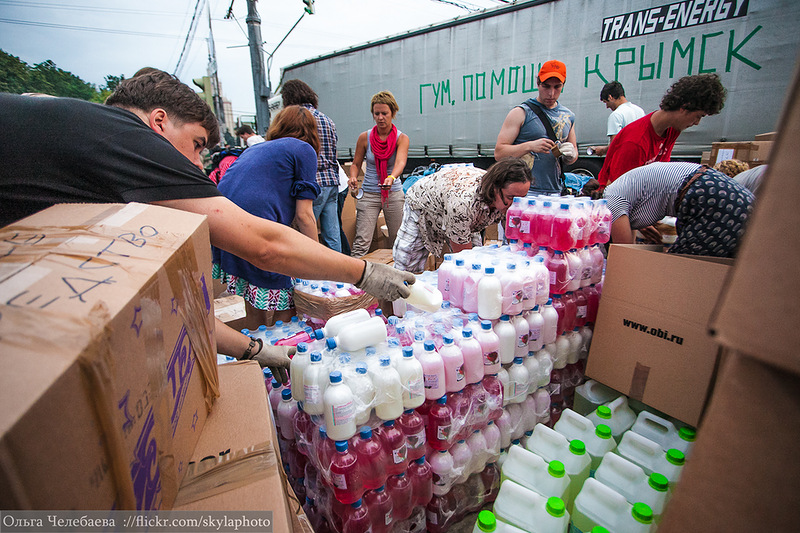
(453, 206)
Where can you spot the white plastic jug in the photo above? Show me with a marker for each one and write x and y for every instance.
(529, 510)
(599, 505)
(664, 432)
(357, 336)
(617, 415)
(592, 395)
(630, 480)
(598, 440)
(552, 445)
(532, 471)
(649, 455)
(424, 297)
(488, 523)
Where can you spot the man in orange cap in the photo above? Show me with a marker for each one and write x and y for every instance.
(542, 128)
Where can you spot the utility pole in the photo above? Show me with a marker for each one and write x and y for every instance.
(260, 86)
(212, 73)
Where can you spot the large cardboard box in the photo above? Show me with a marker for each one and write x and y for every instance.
(236, 464)
(107, 355)
(650, 340)
(752, 152)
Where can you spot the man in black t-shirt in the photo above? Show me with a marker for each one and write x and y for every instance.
(145, 145)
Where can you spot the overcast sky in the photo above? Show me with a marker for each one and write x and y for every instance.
(93, 38)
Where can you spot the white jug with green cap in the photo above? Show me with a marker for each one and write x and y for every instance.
(598, 440)
(632, 482)
(529, 510)
(616, 414)
(599, 505)
(664, 432)
(548, 478)
(649, 455)
(488, 523)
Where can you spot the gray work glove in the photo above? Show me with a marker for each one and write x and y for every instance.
(567, 150)
(277, 359)
(385, 282)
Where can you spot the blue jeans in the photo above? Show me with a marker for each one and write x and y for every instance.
(326, 210)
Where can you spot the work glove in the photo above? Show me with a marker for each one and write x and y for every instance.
(567, 150)
(277, 359)
(385, 282)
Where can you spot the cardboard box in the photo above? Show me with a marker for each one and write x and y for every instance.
(107, 355)
(650, 339)
(236, 464)
(752, 152)
(771, 136)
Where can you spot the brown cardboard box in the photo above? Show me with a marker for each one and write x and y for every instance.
(107, 355)
(236, 465)
(650, 340)
(771, 136)
(752, 152)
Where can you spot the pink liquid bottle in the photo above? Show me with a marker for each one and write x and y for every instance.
(432, 372)
(457, 279)
(444, 275)
(356, 519)
(592, 303)
(545, 254)
(514, 218)
(581, 308)
(439, 513)
(494, 399)
(490, 345)
(478, 451)
(558, 305)
(394, 443)
(461, 460)
(504, 425)
(492, 436)
(443, 472)
(570, 310)
(372, 459)
(287, 410)
(303, 427)
(305, 335)
(440, 422)
(459, 404)
(345, 474)
(402, 494)
(413, 427)
(529, 227)
(324, 449)
(545, 225)
(574, 268)
(563, 237)
(421, 477)
(598, 262)
(559, 273)
(268, 379)
(478, 406)
(453, 360)
(603, 234)
(511, 282)
(275, 395)
(585, 254)
(581, 225)
(470, 302)
(379, 504)
(473, 356)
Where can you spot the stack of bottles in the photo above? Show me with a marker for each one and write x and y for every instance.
(322, 298)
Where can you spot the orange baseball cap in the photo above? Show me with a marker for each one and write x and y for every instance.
(553, 69)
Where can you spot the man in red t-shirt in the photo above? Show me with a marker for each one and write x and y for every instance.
(652, 137)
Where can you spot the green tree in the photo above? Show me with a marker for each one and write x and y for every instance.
(14, 74)
(47, 78)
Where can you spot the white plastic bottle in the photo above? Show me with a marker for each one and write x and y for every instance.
(315, 381)
(300, 361)
(444, 274)
(663, 431)
(598, 440)
(360, 384)
(512, 290)
(545, 367)
(534, 377)
(489, 295)
(631, 481)
(552, 445)
(550, 328)
(529, 510)
(519, 379)
(335, 323)
(592, 395)
(412, 379)
(488, 523)
(508, 339)
(535, 329)
(340, 411)
(357, 336)
(471, 292)
(453, 360)
(617, 415)
(490, 346)
(522, 331)
(542, 276)
(286, 411)
(433, 372)
(473, 356)
(424, 297)
(649, 455)
(532, 471)
(598, 505)
(443, 474)
(388, 390)
(505, 381)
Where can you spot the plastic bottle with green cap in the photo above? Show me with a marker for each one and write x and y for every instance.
(616, 414)
(533, 472)
(664, 432)
(598, 440)
(599, 505)
(649, 455)
(633, 483)
(530, 511)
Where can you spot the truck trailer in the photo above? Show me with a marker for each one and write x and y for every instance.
(455, 81)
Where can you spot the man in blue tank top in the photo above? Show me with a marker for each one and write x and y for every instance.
(524, 135)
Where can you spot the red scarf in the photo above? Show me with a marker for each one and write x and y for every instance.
(383, 150)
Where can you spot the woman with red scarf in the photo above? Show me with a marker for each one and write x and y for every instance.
(385, 149)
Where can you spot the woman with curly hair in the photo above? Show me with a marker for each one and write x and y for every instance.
(652, 137)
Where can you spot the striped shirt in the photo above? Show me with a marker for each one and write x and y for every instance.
(327, 165)
(647, 194)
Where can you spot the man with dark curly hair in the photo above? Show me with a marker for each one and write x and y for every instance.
(652, 137)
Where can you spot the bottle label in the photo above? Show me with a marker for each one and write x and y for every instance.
(459, 373)
(399, 454)
(552, 277)
(447, 284)
(525, 226)
(443, 432)
(522, 340)
(516, 297)
(339, 481)
(432, 518)
(586, 273)
(416, 388)
(312, 394)
(555, 388)
(388, 518)
(534, 334)
(431, 381)
(520, 389)
(581, 311)
(343, 413)
(439, 480)
(417, 440)
(529, 291)
(490, 358)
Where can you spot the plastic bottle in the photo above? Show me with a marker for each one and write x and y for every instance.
(394, 442)
(453, 360)
(528, 273)
(478, 450)
(504, 425)
(631, 481)
(442, 469)
(462, 456)
(323, 449)
(357, 336)
(421, 475)
(412, 379)
(372, 459)
(360, 384)
(413, 427)
(545, 225)
(314, 384)
(570, 310)
(502, 376)
(492, 435)
(357, 519)
(473, 357)
(514, 219)
(535, 322)
(424, 297)
(440, 421)
(519, 378)
(511, 282)
(552, 445)
(275, 395)
(559, 273)
(287, 410)
(490, 345)
(617, 415)
(470, 301)
(663, 431)
(460, 274)
(388, 391)
(340, 409)
(401, 492)
(379, 505)
(494, 395)
(336, 323)
(444, 274)
(598, 264)
(521, 333)
(529, 510)
(598, 439)
(598, 505)
(574, 269)
(346, 477)
(532, 471)
(507, 335)
(433, 372)
(591, 395)
(563, 234)
(487, 522)
(488, 293)
(298, 364)
(558, 305)
(550, 319)
(528, 221)
(649, 455)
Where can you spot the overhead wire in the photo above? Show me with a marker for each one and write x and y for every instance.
(198, 7)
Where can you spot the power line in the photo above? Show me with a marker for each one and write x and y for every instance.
(85, 28)
(87, 8)
(198, 7)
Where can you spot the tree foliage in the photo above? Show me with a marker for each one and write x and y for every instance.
(16, 76)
